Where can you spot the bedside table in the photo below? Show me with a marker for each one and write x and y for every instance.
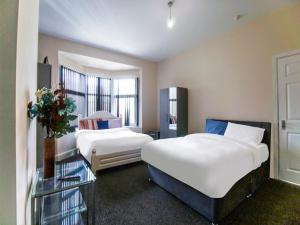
(155, 134)
(64, 202)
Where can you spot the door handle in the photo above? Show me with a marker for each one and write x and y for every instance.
(283, 124)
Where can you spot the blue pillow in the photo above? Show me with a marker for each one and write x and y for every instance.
(215, 127)
(102, 124)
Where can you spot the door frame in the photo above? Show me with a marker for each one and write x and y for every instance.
(275, 126)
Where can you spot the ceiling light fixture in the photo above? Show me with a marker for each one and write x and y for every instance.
(171, 20)
(237, 17)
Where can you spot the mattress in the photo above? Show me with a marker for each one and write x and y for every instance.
(209, 163)
(109, 141)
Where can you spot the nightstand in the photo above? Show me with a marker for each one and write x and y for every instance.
(155, 134)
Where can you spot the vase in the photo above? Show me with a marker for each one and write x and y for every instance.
(49, 157)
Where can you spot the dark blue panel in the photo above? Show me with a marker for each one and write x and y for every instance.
(203, 204)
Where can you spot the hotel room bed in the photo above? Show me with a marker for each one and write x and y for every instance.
(110, 147)
(210, 173)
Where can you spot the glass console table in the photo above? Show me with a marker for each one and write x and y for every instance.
(58, 201)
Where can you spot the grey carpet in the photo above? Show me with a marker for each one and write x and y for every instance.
(125, 197)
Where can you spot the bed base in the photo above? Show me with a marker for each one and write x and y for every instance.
(214, 209)
(100, 162)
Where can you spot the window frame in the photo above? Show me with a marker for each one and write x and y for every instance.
(135, 96)
(101, 97)
(62, 82)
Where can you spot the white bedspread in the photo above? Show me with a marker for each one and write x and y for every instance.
(210, 163)
(109, 141)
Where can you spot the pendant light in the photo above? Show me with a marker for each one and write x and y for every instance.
(171, 20)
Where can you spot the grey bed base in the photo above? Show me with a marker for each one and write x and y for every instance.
(215, 209)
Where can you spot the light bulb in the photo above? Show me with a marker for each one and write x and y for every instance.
(171, 22)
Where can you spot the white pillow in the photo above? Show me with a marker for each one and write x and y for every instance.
(248, 134)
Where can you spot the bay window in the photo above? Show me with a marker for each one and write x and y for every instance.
(119, 96)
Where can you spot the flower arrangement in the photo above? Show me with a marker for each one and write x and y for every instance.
(53, 110)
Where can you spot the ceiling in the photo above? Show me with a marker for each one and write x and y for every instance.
(138, 27)
(95, 63)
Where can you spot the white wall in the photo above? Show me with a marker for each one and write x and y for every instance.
(18, 65)
(26, 84)
(8, 47)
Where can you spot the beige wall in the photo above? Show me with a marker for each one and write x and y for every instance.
(18, 64)
(230, 76)
(8, 46)
(50, 46)
(26, 84)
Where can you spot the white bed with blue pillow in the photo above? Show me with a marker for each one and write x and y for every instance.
(210, 162)
(109, 147)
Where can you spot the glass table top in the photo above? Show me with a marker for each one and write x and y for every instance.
(80, 169)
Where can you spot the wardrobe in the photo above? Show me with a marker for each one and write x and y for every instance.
(173, 112)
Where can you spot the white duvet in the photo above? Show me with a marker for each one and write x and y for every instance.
(109, 141)
(210, 163)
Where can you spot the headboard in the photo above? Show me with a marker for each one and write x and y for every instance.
(101, 114)
(91, 122)
(265, 125)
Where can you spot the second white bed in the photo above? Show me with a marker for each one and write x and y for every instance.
(109, 141)
(210, 163)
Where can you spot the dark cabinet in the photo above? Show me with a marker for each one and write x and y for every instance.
(43, 80)
(155, 134)
(173, 112)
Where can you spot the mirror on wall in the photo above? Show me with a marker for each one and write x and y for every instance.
(173, 108)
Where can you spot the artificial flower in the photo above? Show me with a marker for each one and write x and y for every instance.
(39, 93)
(53, 110)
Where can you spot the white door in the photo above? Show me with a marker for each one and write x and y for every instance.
(289, 118)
